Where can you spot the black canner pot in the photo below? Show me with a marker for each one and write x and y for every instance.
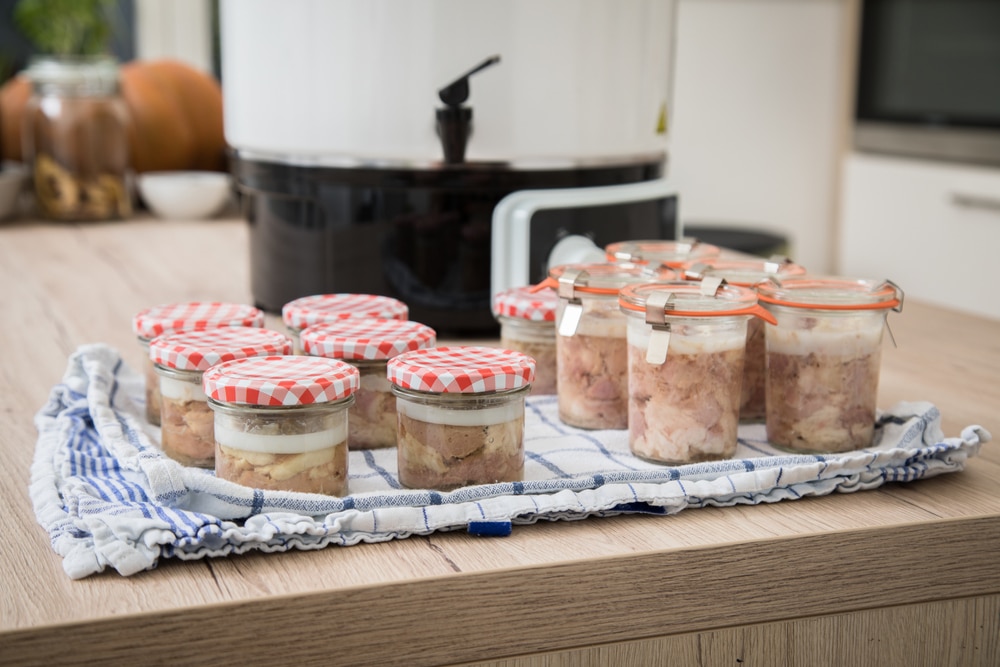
(419, 235)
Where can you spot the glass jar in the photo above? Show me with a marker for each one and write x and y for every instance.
(746, 273)
(686, 346)
(319, 308)
(192, 316)
(670, 254)
(460, 415)
(180, 360)
(591, 353)
(823, 360)
(527, 320)
(281, 422)
(74, 138)
(368, 344)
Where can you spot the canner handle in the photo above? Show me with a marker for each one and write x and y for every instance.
(512, 224)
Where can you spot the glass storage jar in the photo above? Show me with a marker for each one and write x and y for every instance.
(460, 415)
(686, 346)
(368, 344)
(746, 273)
(281, 422)
(670, 254)
(527, 318)
(74, 138)
(823, 360)
(191, 316)
(181, 359)
(591, 354)
(318, 308)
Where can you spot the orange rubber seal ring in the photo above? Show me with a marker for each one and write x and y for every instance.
(881, 305)
(756, 311)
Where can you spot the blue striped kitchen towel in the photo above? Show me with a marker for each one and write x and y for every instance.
(108, 497)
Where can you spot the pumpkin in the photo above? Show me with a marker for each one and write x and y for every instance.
(175, 115)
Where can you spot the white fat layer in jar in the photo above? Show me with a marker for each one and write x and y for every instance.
(690, 337)
(836, 336)
(280, 444)
(462, 416)
(182, 390)
(600, 317)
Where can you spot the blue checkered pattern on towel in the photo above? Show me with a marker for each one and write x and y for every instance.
(108, 497)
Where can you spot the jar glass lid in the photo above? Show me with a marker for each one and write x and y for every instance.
(526, 303)
(281, 381)
(200, 350)
(744, 272)
(830, 293)
(461, 369)
(194, 315)
(667, 253)
(365, 339)
(309, 310)
(709, 298)
(604, 278)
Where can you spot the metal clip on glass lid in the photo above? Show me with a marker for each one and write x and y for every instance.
(743, 272)
(660, 302)
(574, 281)
(830, 293)
(834, 293)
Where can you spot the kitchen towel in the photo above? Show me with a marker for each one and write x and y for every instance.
(108, 497)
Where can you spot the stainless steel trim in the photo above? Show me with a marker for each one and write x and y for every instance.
(971, 145)
(533, 164)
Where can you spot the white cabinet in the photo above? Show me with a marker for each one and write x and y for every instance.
(758, 104)
(932, 227)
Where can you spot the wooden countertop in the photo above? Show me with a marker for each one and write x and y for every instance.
(905, 573)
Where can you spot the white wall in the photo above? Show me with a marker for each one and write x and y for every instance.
(758, 105)
(176, 29)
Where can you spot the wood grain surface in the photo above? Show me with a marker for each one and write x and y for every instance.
(774, 584)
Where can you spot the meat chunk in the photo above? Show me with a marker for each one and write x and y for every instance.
(822, 402)
(544, 354)
(295, 450)
(754, 397)
(152, 393)
(188, 434)
(372, 418)
(593, 381)
(686, 409)
(318, 471)
(446, 456)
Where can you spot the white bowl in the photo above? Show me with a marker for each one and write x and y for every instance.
(185, 195)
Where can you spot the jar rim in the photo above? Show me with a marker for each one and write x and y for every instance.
(671, 253)
(830, 293)
(688, 299)
(745, 272)
(602, 278)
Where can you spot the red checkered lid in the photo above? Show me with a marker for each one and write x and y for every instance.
(537, 306)
(193, 316)
(461, 370)
(199, 350)
(309, 310)
(366, 340)
(280, 381)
